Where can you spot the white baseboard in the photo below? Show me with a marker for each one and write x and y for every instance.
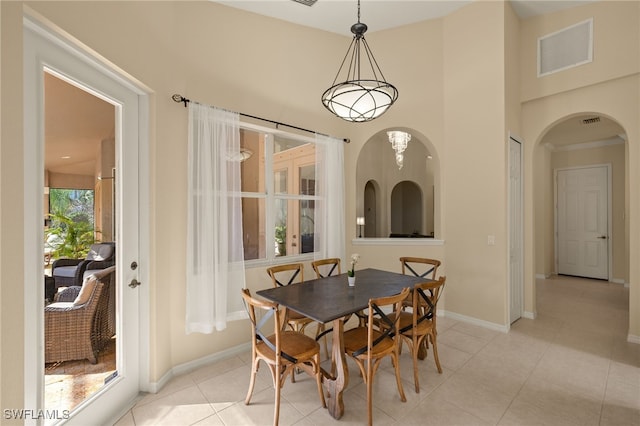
(529, 315)
(179, 369)
(633, 339)
(542, 276)
(481, 323)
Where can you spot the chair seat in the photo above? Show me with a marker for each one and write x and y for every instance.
(293, 343)
(356, 339)
(406, 321)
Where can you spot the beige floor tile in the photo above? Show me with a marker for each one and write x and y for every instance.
(260, 411)
(623, 387)
(386, 396)
(355, 413)
(452, 358)
(461, 341)
(226, 389)
(475, 397)
(575, 371)
(439, 412)
(554, 405)
(217, 368)
(303, 394)
(185, 406)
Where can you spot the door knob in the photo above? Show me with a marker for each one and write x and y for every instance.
(134, 283)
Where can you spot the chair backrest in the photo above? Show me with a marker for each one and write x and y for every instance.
(379, 323)
(258, 322)
(425, 301)
(282, 275)
(326, 267)
(420, 266)
(101, 251)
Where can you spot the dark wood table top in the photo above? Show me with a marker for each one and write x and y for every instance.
(325, 299)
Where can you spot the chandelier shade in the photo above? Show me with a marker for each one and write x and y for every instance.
(363, 94)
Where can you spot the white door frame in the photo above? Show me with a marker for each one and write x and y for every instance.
(59, 41)
(609, 213)
(519, 230)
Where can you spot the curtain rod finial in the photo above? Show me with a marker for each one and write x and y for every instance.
(180, 98)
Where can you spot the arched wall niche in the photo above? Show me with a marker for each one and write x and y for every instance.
(407, 217)
(377, 174)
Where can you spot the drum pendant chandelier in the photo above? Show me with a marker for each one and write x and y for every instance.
(361, 97)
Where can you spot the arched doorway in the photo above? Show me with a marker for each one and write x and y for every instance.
(579, 142)
(406, 209)
(371, 190)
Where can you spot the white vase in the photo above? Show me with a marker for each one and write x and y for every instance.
(352, 281)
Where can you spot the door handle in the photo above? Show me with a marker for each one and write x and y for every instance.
(134, 283)
(602, 237)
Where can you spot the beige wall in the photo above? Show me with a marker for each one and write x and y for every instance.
(11, 217)
(456, 89)
(475, 167)
(615, 47)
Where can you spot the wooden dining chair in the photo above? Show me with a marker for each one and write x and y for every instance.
(283, 351)
(368, 345)
(282, 275)
(418, 326)
(326, 267)
(420, 267)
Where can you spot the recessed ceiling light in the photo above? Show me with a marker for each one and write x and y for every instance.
(65, 157)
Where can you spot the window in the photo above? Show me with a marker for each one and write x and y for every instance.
(278, 194)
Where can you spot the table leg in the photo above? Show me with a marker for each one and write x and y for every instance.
(337, 381)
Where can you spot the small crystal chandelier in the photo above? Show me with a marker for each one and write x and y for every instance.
(359, 98)
(399, 141)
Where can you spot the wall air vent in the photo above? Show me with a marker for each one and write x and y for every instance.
(567, 48)
(591, 120)
(306, 2)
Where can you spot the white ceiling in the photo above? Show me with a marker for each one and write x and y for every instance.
(337, 16)
(76, 122)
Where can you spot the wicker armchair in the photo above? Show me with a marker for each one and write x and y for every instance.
(75, 330)
(71, 272)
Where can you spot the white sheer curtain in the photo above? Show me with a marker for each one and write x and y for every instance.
(329, 238)
(215, 255)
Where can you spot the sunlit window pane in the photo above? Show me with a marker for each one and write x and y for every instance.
(253, 227)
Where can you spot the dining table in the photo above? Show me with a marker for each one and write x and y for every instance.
(330, 300)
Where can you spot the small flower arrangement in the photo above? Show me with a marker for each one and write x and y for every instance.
(354, 259)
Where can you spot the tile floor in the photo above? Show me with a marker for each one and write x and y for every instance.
(571, 365)
(69, 383)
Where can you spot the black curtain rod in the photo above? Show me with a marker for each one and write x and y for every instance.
(185, 101)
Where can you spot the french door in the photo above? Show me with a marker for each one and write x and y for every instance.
(44, 52)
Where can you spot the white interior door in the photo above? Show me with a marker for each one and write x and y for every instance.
(516, 270)
(582, 222)
(46, 52)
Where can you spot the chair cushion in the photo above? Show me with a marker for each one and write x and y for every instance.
(100, 252)
(88, 285)
(65, 271)
(59, 306)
